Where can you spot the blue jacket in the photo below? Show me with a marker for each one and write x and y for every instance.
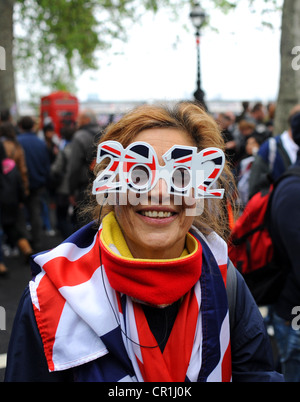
(37, 159)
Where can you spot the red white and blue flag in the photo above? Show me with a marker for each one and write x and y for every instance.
(83, 320)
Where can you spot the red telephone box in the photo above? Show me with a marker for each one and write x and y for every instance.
(62, 107)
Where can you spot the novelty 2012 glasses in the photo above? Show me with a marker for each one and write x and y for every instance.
(136, 168)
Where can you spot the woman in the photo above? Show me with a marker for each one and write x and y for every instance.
(15, 151)
(3, 268)
(17, 189)
(144, 297)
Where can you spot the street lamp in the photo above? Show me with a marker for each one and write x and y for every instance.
(198, 18)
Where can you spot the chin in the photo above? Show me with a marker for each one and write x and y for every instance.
(160, 245)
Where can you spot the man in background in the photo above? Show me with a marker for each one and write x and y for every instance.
(83, 153)
(38, 165)
(273, 158)
(285, 224)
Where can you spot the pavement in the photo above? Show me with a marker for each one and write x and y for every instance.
(11, 290)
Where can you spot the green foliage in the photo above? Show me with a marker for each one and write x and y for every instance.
(225, 5)
(57, 33)
(60, 34)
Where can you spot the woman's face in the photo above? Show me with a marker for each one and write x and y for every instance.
(156, 228)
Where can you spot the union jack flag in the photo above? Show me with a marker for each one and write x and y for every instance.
(87, 326)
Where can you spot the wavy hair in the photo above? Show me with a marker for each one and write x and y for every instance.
(204, 131)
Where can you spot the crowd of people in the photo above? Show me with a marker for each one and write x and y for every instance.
(41, 171)
(46, 170)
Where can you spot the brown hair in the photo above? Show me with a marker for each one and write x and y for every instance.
(295, 110)
(204, 131)
(7, 131)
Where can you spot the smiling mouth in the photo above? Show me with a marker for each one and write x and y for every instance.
(157, 214)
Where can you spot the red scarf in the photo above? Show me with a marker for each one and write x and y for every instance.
(157, 282)
(172, 364)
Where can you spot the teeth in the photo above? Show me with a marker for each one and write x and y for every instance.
(157, 214)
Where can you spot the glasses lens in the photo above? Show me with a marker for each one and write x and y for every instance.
(181, 178)
(140, 176)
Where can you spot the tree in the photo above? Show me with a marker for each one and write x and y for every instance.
(7, 82)
(289, 88)
(58, 35)
(289, 85)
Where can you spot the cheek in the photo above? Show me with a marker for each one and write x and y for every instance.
(125, 216)
(121, 216)
(192, 209)
(189, 219)
(189, 202)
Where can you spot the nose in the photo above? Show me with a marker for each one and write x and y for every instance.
(159, 194)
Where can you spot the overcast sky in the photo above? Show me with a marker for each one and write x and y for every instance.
(240, 61)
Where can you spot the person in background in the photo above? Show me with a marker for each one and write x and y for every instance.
(12, 196)
(245, 114)
(38, 165)
(252, 145)
(60, 183)
(273, 158)
(13, 217)
(258, 116)
(3, 268)
(243, 130)
(142, 293)
(6, 117)
(15, 151)
(52, 141)
(284, 228)
(226, 121)
(83, 150)
(270, 120)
